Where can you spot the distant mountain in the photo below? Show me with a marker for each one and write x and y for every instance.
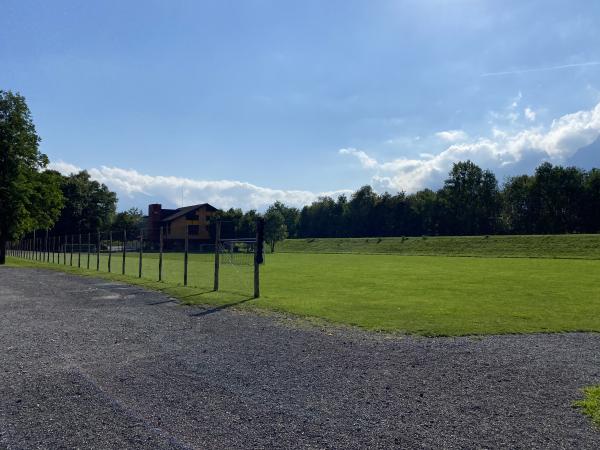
(586, 157)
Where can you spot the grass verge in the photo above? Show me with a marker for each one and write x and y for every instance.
(590, 404)
(199, 295)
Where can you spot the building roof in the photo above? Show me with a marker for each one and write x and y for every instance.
(186, 209)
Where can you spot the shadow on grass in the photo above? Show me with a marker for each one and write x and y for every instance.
(171, 300)
(216, 309)
(195, 294)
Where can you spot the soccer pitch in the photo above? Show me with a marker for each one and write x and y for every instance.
(425, 295)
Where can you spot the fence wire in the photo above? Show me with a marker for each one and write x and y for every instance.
(184, 262)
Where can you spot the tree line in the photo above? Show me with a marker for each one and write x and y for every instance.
(553, 200)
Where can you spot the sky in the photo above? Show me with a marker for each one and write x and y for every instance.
(241, 103)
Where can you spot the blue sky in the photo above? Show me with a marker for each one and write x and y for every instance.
(243, 102)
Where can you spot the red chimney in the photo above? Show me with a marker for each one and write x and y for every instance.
(154, 218)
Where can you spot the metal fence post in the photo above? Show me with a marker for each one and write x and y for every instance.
(71, 257)
(98, 253)
(65, 251)
(124, 251)
(109, 250)
(258, 248)
(160, 255)
(88, 249)
(217, 262)
(141, 253)
(79, 252)
(185, 257)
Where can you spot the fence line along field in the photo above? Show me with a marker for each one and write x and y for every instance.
(427, 295)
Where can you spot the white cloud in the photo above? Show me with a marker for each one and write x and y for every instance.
(64, 168)
(365, 160)
(541, 69)
(555, 143)
(530, 114)
(452, 135)
(144, 189)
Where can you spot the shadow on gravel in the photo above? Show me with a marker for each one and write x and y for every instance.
(216, 309)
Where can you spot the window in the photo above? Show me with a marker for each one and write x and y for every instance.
(193, 229)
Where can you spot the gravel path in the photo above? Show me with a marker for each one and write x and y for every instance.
(91, 364)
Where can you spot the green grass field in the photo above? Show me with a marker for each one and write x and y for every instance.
(425, 295)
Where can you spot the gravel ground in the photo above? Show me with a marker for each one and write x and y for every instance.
(91, 364)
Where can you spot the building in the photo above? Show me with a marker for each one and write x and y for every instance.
(174, 222)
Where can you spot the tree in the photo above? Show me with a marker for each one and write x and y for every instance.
(591, 207)
(275, 229)
(424, 211)
(557, 195)
(360, 211)
(246, 226)
(517, 208)
(291, 217)
(471, 199)
(89, 205)
(29, 197)
(130, 221)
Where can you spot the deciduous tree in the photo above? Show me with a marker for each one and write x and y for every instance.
(29, 197)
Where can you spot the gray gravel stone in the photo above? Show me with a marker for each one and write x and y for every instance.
(86, 363)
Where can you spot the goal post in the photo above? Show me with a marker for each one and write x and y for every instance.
(238, 253)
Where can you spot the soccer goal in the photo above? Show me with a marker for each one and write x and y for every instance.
(240, 257)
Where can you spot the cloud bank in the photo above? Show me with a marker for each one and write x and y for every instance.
(134, 188)
(503, 150)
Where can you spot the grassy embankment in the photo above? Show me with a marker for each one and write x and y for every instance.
(426, 295)
(543, 246)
